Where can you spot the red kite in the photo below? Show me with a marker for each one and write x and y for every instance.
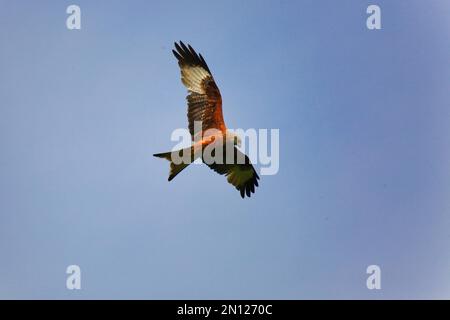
(205, 107)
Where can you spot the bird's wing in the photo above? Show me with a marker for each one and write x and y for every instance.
(204, 99)
(241, 175)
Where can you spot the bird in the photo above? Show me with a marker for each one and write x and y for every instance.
(204, 113)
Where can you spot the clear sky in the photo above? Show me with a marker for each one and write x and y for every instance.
(364, 150)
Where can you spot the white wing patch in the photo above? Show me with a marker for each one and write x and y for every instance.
(192, 78)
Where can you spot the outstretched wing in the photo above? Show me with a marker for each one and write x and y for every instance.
(242, 176)
(204, 99)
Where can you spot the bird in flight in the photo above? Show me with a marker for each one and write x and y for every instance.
(205, 116)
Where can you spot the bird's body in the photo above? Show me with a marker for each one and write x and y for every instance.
(207, 127)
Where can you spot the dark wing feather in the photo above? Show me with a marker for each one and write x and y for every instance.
(241, 175)
(204, 99)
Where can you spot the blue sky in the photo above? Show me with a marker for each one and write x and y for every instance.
(364, 151)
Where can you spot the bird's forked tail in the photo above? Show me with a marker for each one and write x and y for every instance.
(184, 158)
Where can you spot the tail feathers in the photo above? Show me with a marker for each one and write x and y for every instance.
(164, 155)
(175, 169)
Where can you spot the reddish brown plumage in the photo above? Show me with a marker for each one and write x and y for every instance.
(204, 99)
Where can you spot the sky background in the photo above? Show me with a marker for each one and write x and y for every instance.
(364, 151)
